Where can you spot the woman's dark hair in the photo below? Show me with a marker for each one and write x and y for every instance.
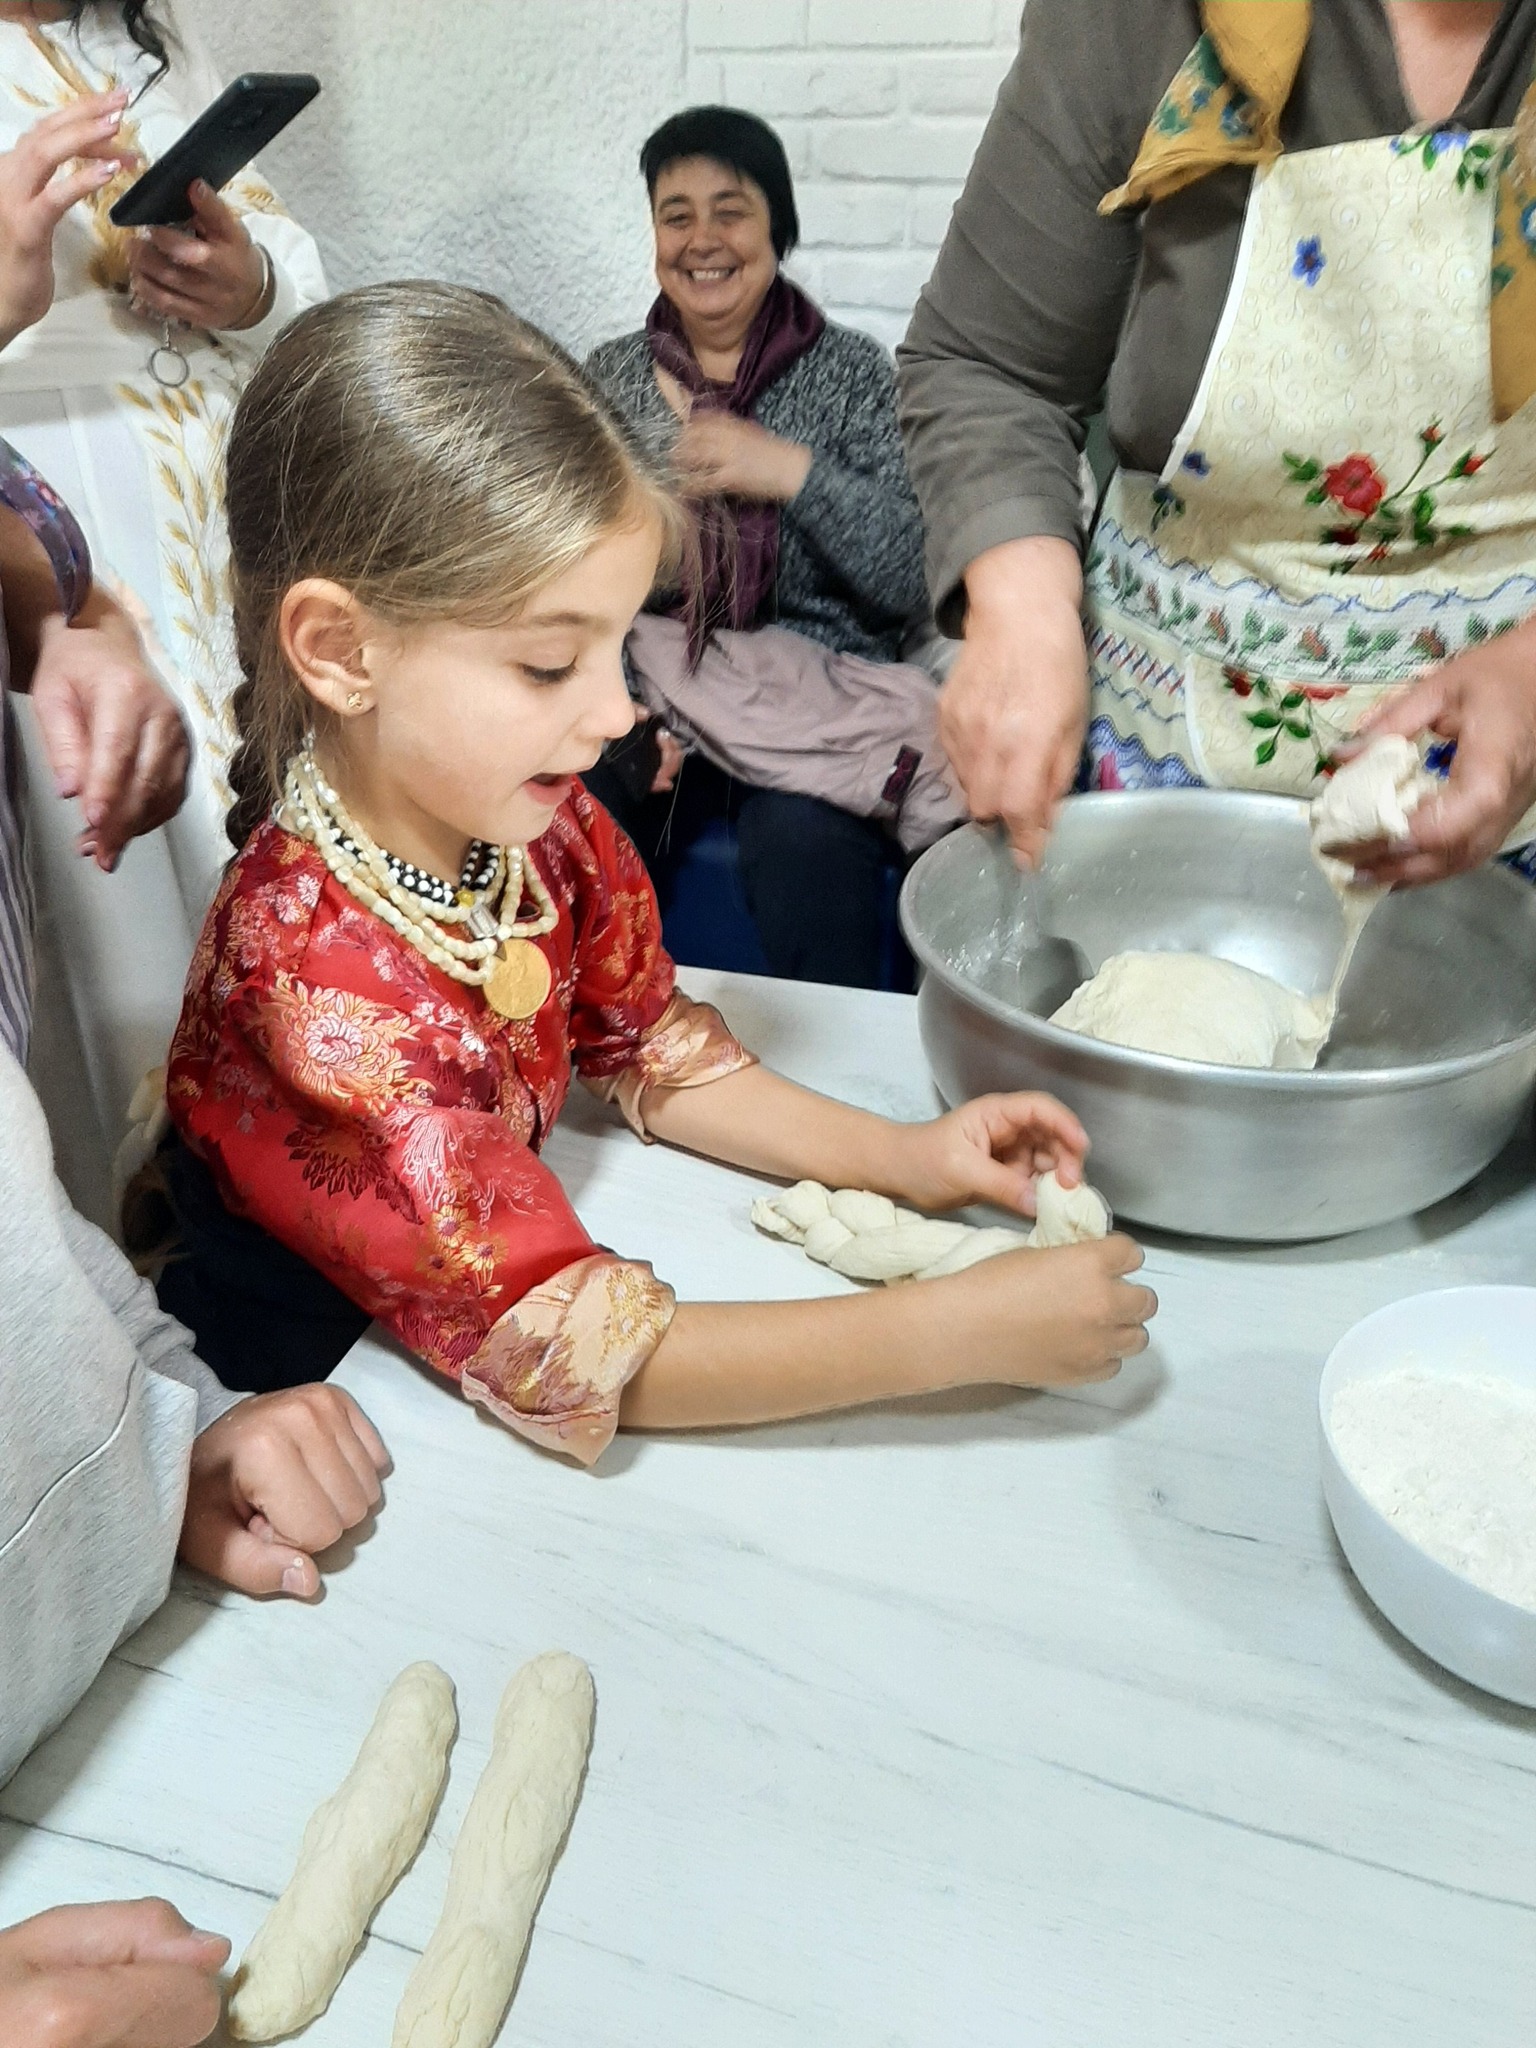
(741, 141)
(139, 24)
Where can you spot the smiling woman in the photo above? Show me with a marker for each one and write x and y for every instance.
(779, 657)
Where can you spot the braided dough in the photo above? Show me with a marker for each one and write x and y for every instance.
(352, 1854)
(460, 1990)
(866, 1237)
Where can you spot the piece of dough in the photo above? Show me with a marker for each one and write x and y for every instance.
(1077, 1215)
(910, 1246)
(824, 1240)
(973, 1248)
(1194, 1006)
(352, 1854)
(858, 1210)
(1371, 797)
(897, 1253)
(459, 1992)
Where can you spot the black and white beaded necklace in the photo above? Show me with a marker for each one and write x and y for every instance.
(476, 875)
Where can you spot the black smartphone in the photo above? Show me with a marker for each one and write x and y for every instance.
(222, 140)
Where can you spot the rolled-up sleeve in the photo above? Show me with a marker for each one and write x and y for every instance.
(1013, 336)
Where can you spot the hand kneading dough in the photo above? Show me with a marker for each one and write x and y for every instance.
(353, 1852)
(460, 1990)
(865, 1237)
(1193, 1006)
(1077, 1215)
(1371, 797)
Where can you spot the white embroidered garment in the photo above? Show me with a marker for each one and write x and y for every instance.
(1340, 511)
(139, 466)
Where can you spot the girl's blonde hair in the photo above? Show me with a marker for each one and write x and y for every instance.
(433, 454)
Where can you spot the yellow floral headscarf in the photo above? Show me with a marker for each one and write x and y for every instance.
(1224, 107)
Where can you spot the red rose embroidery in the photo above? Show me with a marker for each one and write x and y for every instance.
(1356, 484)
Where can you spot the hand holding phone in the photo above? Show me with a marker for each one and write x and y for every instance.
(221, 141)
(213, 275)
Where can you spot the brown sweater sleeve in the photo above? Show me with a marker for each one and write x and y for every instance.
(1013, 337)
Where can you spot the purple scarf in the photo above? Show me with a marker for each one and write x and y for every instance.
(738, 537)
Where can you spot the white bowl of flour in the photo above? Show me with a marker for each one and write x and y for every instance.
(1428, 1425)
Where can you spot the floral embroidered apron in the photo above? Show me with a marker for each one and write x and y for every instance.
(1342, 508)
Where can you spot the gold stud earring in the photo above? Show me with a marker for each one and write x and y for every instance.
(355, 700)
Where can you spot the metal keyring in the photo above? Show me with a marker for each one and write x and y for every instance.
(180, 369)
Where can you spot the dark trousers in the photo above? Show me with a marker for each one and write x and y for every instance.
(814, 876)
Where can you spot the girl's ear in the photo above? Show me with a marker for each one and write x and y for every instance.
(324, 632)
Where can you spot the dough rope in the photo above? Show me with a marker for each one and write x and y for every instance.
(459, 1992)
(354, 1850)
(866, 1237)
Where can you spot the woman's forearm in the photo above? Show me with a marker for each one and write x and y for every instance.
(758, 1120)
(1010, 587)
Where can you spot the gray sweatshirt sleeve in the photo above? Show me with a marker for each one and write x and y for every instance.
(163, 1345)
(100, 1399)
(857, 507)
(1014, 334)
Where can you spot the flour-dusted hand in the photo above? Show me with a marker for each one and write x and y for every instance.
(1014, 710)
(212, 274)
(276, 1480)
(129, 1974)
(991, 1149)
(355, 1849)
(61, 160)
(1486, 702)
(112, 733)
(520, 1814)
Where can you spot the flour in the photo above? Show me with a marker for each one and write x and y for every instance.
(1451, 1463)
(1194, 1006)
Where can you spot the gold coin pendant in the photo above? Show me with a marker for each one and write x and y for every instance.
(520, 981)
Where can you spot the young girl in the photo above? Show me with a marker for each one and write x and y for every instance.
(441, 534)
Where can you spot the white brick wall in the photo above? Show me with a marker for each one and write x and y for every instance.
(881, 104)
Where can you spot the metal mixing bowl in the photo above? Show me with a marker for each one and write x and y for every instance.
(1427, 1075)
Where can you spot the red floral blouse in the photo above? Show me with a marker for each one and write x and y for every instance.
(384, 1122)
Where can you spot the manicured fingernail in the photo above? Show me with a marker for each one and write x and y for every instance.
(104, 172)
(294, 1579)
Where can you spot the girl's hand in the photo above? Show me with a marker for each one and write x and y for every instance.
(1047, 1319)
(211, 275)
(275, 1480)
(37, 190)
(128, 1974)
(989, 1150)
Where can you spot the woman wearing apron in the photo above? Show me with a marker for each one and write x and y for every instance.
(1296, 248)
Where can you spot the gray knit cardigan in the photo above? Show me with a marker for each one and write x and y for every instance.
(851, 541)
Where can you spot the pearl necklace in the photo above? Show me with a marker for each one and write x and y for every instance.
(313, 810)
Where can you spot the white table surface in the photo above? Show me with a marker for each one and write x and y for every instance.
(999, 1721)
